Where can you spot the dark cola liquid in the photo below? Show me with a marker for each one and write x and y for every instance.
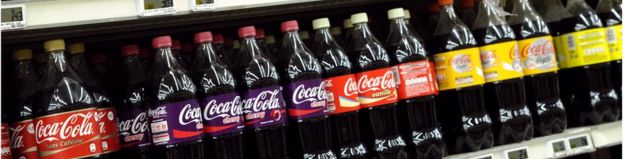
(417, 115)
(612, 17)
(460, 103)
(133, 111)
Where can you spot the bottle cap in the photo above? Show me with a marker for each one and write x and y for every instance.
(445, 2)
(467, 3)
(175, 44)
(359, 18)
(203, 37)
(76, 48)
(396, 13)
(218, 39)
(99, 58)
(22, 54)
(54, 45)
(161, 41)
(128, 50)
(407, 14)
(320, 23)
(270, 39)
(259, 33)
(235, 44)
(246, 31)
(347, 24)
(290, 25)
(335, 30)
(304, 34)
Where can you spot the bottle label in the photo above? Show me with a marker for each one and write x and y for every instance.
(470, 122)
(4, 144)
(306, 99)
(72, 134)
(324, 155)
(175, 123)
(352, 151)
(376, 87)
(415, 79)
(583, 48)
(614, 38)
(264, 107)
(23, 142)
(538, 55)
(501, 61)
(133, 128)
(342, 95)
(458, 69)
(385, 144)
(418, 137)
(109, 132)
(222, 114)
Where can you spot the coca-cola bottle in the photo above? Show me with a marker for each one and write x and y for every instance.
(222, 110)
(41, 63)
(271, 44)
(133, 119)
(377, 92)
(146, 56)
(176, 48)
(219, 48)
(537, 54)
(341, 92)
(610, 12)
(21, 127)
(408, 18)
(466, 125)
(65, 110)
(416, 87)
(174, 115)
(336, 33)
(433, 13)
(106, 115)
(300, 73)
(5, 141)
(264, 108)
(264, 46)
(348, 32)
(467, 13)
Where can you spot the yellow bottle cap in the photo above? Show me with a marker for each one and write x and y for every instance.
(320, 23)
(76, 48)
(22, 54)
(396, 13)
(347, 23)
(407, 14)
(359, 18)
(54, 45)
(335, 30)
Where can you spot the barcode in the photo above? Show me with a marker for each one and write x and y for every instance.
(571, 42)
(611, 35)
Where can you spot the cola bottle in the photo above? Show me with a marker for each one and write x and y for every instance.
(416, 87)
(21, 127)
(305, 37)
(264, 108)
(341, 93)
(537, 54)
(219, 47)
(377, 92)
(100, 71)
(271, 44)
(133, 118)
(41, 62)
(174, 115)
(221, 104)
(348, 32)
(260, 37)
(300, 73)
(5, 144)
(610, 12)
(64, 98)
(146, 56)
(336, 33)
(407, 18)
(433, 13)
(106, 115)
(467, 12)
(176, 48)
(466, 125)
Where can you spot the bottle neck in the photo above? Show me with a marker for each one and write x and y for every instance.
(57, 61)
(207, 53)
(134, 71)
(24, 68)
(294, 42)
(323, 38)
(251, 45)
(361, 31)
(164, 57)
(399, 25)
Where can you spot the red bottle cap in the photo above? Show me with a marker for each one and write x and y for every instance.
(445, 2)
(175, 44)
(259, 33)
(128, 50)
(203, 37)
(161, 41)
(246, 31)
(467, 3)
(290, 26)
(218, 39)
(99, 58)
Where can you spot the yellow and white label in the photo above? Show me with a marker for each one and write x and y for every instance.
(459, 68)
(614, 38)
(583, 48)
(538, 55)
(501, 61)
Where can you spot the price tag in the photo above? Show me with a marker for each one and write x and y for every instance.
(488, 156)
(202, 5)
(580, 144)
(148, 8)
(517, 153)
(557, 148)
(13, 17)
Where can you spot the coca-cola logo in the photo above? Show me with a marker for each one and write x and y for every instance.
(539, 47)
(75, 125)
(265, 100)
(224, 109)
(189, 114)
(136, 125)
(17, 137)
(376, 83)
(461, 63)
(312, 94)
(159, 111)
(350, 87)
(488, 58)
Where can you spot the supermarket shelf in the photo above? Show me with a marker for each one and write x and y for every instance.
(565, 144)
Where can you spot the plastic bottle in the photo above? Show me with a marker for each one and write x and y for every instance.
(221, 105)
(466, 126)
(610, 12)
(467, 12)
(41, 61)
(133, 119)
(336, 33)
(538, 56)
(416, 85)
(5, 145)
(341, 92)
(23, 143)
(174, 113)
(219, 48)
(176, 48)
(433, 13)
(348, 32)
(377, 92)
(260, 37)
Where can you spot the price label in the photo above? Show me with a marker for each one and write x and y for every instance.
(13, 17)
(149, 8)
(518, 153)
(557, 148)
(581, 144)
(488, 156)
(202, 5)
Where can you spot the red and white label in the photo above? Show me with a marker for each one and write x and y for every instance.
(342, 94)
(109, 131)
(23, 142)
(4, 142)
(73, 134)
(376, 87)
(415, 79)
